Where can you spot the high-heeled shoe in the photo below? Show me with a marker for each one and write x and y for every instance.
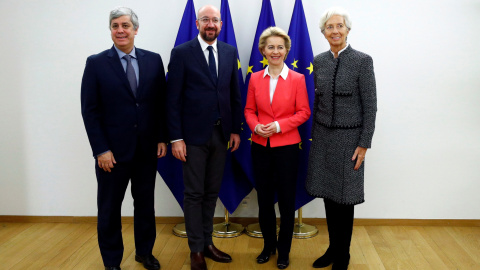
(265, 255)
(282, 263)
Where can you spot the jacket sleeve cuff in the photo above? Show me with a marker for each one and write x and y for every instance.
(278, 127)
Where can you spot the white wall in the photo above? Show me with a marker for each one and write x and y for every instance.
(424, 160)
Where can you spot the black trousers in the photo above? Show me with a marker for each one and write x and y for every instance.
(202, 177)
(340, 227)
(275, 171)
(111, 191)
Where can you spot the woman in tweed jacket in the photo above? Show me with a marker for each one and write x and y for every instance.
(344, 120)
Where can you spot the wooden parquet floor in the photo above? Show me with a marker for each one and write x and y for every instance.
(74, 246)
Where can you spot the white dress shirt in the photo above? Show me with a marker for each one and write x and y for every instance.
(204, 46)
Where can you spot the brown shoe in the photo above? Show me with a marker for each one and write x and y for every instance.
(197, 261)
(215, 254)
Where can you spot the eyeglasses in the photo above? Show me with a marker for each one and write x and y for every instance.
(339, 27)
(206, 20)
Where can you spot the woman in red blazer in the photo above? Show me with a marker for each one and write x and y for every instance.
(277, 103)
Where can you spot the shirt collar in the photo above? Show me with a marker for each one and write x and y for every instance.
(283, 74)
(122, 54)
(340, 50)
(204, 44)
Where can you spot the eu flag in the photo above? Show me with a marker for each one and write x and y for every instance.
(257, 63)
(170, 168)
(300, 59)
(235, 183)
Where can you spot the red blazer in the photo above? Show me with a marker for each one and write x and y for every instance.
(289, 107)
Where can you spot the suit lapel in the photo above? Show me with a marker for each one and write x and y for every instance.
(117, 67)
(200, 58)
(282, 85)
(222, 60)
(265, 88)
(142, 69)
(277, 93)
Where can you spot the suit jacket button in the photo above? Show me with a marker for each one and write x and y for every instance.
(135, 126)
(138, 105)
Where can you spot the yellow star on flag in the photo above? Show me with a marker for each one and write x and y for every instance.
(300, 146)
(264, 61)
(294, 64)
(250, 139)
(239, 65)
(250, 69)
(310, 68)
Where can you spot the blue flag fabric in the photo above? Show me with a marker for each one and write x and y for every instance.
(300, 59)
(170, 168)
(257, 63)
(235, 183)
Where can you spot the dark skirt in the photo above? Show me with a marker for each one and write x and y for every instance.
(330, 166)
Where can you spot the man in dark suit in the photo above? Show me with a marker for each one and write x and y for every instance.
(204, 117)
(123, 109)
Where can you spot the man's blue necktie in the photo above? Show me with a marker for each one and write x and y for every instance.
(211, 64)
(132, 78)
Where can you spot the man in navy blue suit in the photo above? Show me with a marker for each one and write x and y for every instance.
(123, 108)
(204, 116)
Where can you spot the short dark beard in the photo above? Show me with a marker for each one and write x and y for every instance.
(206, 38)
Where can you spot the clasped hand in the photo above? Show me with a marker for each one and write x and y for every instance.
(266, 130)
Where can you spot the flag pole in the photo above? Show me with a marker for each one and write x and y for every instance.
(302, 230)
(227, 229)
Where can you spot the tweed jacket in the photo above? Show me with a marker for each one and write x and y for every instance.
(345, 92)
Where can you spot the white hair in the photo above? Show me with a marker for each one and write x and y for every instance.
(122, 11)
(335, 11)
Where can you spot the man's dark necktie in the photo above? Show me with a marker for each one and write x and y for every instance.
(132, 78)
(211, 64)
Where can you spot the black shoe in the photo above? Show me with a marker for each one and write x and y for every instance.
(325, 260)
(112, 268)
(148, 261)
(265, 256)
(283, 263)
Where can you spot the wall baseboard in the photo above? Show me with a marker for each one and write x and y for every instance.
(250, 220)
